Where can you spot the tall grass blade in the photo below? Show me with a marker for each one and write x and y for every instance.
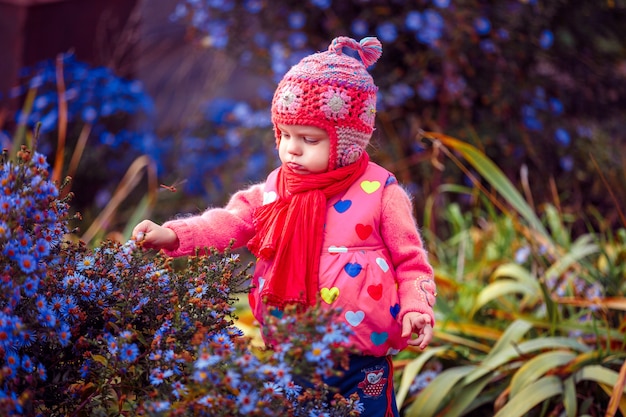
(126, 185)
(490, 172)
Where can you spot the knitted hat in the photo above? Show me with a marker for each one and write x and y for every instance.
(334, 92)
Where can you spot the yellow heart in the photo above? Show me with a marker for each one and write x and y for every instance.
(370, 186)
(329, 294)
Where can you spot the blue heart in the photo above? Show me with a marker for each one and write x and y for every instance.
(390, 180)
(353, 269)
(277, 313)
(394, 310)
(342, 205)
(379, 338)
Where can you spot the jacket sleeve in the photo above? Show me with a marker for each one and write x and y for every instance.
(216, 227)
(414, 274)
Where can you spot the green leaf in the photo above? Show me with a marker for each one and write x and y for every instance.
(516, 272)
(514, 350)
(579, 250)
(538, 367)
(411, 370)
(464, 397)
(501, 288)
(553, 217)
(531, 396)
(553, 343)
(100, 359)
(598, 374)
(512, 334)
(431, 398)
(569, 397)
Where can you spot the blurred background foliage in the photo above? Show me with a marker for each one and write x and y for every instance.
(539, 87)
(502, 118)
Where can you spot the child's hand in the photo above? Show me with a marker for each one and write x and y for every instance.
(153, 236)
(419, 324)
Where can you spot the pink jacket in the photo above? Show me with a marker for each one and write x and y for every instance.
(373, 265)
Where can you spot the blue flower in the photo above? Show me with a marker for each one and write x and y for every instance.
(112, 344)
(12, 359)
(427, 89)
(413, 21)
(433, 20)
(64, 334)
(42, 247)
(556, 106)
(296, 20)
(546, 39)
(566, 163)
(319, 351)
(47, 317)
(246, 401)
(359, 27)
(322, 4)
(482, 25)
(159, 406)
(85, 368)
(387, 32)
(129, 352)
(530, 119)
(253, 6)
(30, 286)
(41, 372)
(562, 136)
(157, 376)
(442, 4)
(27, 364)
(421, 381)
(206, 360)
(521, 255)
(297, 40)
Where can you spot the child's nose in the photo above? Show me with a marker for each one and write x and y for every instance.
(293, 147)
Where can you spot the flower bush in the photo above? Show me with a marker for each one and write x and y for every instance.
(117, 331)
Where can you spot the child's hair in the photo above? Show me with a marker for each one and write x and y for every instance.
(332, 91)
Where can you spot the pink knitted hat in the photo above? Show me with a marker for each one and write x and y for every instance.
(334, 92)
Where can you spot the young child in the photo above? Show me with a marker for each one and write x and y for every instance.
(328, 222)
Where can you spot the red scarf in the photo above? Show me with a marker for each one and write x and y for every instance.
(290, 231)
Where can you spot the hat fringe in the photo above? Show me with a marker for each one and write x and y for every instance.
(369, 49)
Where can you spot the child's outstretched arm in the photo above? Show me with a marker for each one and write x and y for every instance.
(215, 227)
(153, 236)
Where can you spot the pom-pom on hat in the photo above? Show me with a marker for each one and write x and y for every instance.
(332, 91)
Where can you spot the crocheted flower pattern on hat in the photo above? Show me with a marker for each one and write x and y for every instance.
(335, 103)
(369, 111)
(289, 99)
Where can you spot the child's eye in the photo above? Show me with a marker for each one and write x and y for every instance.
(310, 141)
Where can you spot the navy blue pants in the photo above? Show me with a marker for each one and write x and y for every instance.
(372, 378)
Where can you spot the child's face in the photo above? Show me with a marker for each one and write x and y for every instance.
(305, 149)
